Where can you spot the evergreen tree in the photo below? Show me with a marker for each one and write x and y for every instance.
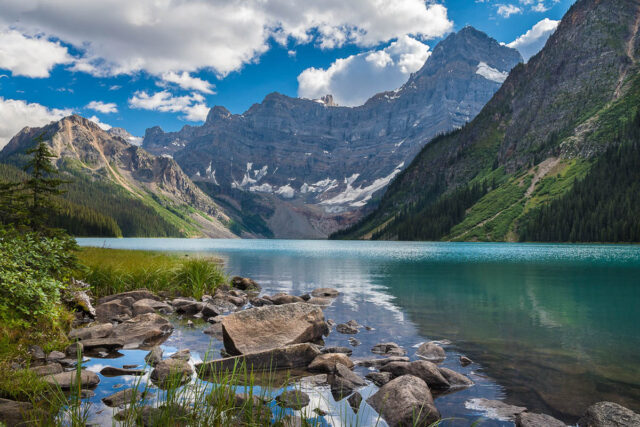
(42, 184)
(13, 204)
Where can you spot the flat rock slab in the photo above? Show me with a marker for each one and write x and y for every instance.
(110, 371)
(271, 327)
(289, 357)
(13, 413)
(123, 397)
(50, 369)
(108, 344)
(135, 295)
(609, 414)
(405, 401)
(100, 330)
(528, 419)
(67, 380)
(293, 399)
(495, 409)
(143, 330)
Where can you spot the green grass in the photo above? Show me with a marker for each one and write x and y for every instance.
(111, 271)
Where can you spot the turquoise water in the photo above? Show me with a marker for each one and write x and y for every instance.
(554, 328)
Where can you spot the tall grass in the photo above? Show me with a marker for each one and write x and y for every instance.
(111, 271)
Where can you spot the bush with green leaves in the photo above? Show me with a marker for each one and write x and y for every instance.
(33, 273)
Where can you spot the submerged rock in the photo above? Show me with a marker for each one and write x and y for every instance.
(270, 327)
(405, 401)
(123, 397)
(345, 350)
(294, 399)
(431, 351)
(426, 371)
(325, 292)
(379, 378)
(245, 284)
(495, 409)
(343, 382)
(154, 356)
(388, 349)
(344, 328)
(528, 419)
(282, 298)
(609, 414)
(354, 401)
(465, 361)
(455, 379)
(110, 371)
(354, 342)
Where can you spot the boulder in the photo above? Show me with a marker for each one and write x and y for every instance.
(608, 414)
(123, 397)
(13, 413)
(426, 371)
(323, 302)
(388, 349)
(74, 349)
(528, 419)
(171, 372)
(55, 356)
(269, 327)
(154, 356)
(345, 350)
(245, 284)
(354, 342)
(293, 356)
(37, 355)
(343, 382)
(325, 292)
(49, 369)
(128, 301)
(343, 328)
(405, 401)
(187, 306)
(182, 355)
(379, 378)
(465, 361)
(354, 401)
(110, 371)
(378, 363)
(294, 399)
(455, 379)
(82, 300)
(68, 380)
(112, 310)
(327, 362)
(141, 308)
(259, 302)
(431, 352)
(99, 344)
(495, 408)
(136, 295)
(159, 306)
(282, 298)
(143, 330)
(100, 330)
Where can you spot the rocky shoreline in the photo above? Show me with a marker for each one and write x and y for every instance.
(267, 333)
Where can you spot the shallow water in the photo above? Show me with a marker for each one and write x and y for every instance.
(554, 328)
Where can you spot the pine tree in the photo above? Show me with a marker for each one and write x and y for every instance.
(42, 185)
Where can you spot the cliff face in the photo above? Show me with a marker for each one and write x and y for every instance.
(550, 114)
(83, 149)
(322, 163)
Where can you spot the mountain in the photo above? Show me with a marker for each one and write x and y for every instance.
(146, 195)
(553, 123)
(291, 167)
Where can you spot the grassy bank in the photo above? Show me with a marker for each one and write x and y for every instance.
(111, 271)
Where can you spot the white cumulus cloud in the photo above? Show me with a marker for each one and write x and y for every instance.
(15, 114)
(506, 10)
(192, 106)
(102, 107)
(124, 36)
(534, 39)
(352, 80)
(188, 82)
(30, 56)
(97, 121)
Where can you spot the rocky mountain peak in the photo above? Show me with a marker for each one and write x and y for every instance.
(216, 114)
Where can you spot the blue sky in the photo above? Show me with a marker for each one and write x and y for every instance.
(138, 65)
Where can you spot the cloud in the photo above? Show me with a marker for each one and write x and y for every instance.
(97, 121)
(101, 107)
(192, 105)
(15, 114)
(354, 79)
(506, 10)
(187, 82)
(124, 36)
(534, 39)
(30, 56)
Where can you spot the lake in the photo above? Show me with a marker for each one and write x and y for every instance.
(551, 327)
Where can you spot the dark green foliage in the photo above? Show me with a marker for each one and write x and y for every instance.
(603, 207)
(82, 221)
